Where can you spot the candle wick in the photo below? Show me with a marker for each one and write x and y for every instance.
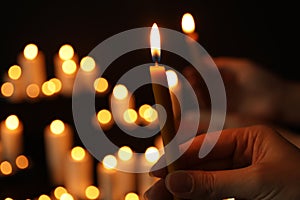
(156, 63)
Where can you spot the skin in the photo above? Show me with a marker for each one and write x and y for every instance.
(253, 162)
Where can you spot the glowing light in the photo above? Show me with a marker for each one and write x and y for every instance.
(57, 84)
(101, 85)
(69, 67)
(57, 127)
(188, 23)
(14, 72)
(87, 64)
(104, 116)
(66, 196)
(125, 153)
(155, 43)
(6, 168)
(142, 110)
(109, 162)
(44, 197)
(130, 116)
(172, 78)
(33, 90)
(120, 92)
(92, 192)
(22, 162)
(152, 154)
(150, 114)
(59, 191)
(66, 52)
(132, 196)
(78, 153)
(12, 122)
(7, 89)
(48, 88)
(30, 51)
(8, 198)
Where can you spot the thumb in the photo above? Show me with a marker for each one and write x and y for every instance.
(212, 185)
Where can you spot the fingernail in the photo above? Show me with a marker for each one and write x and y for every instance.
(180, 182)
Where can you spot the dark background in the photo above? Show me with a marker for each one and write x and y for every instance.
(252, 29)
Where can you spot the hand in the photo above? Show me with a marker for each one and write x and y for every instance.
(254, 162)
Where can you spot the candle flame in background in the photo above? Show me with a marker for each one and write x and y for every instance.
(142, 110)
(22, 162)
(188, 23)
(101, 85)
(32, 90)
(120, 92)
(57, 127)
(30, 51)
(12, 122)
(78, 153)
(6, 168)
(7, 89)
(92, 192)
(155, 43)
(131, 196)
(130, 116)
(109, 162)
(150, 114)
(172, 78)
(152, 154)
(14, 72)
(66, 196)
(57, 84)
(125, 153)
(44, 197)
(59, 191)
(48, 88)
(104, 116)
(8, 198)
(66, 52)
(69, 67)
(87, 64)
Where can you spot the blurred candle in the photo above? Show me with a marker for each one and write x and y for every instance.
(106, 176)
(131, 196)
(130, 116)
(44, 197)
(148, 115)
(78, 172)
(58, 138)
(33, 64)
(6, 168)
(65, 68)
(7, 89)
(22, 162)
(59, 191)
(146, 161)
(66, 196)
(32, 91)
(13, 76)
(101, 86)
(175, 92)
(92, 192)
(11, 138)
(121, 100)
(105, 119)
(126, 166)
(188, 26)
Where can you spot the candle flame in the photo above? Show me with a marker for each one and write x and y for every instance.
(78, 153)
(152, 154)
(59, 191)
(14, 72)
(188, 23)
(12, 122)
(92, 192)
(109, 162)
(155, 43)
(30, 51)
(131, 196)
(125, 153)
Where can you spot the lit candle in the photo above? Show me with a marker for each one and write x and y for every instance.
(44, 197)
(162, 97)
(188, 26)
(106, 176)
(148, 116)
(78, 172)
(33, 92)
(120, 100)
(7, 89)
(22, 162)
(131, 196)
(59, 191)
(33, 64)
(130, 116)
(101, 86)
(6, 168)
(58, 138)
(65, 68)
(126, 166)
(146, 161)
(92, 192)
(105, 119)
(12, 138)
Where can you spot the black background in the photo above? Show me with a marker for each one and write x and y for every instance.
(252, 29)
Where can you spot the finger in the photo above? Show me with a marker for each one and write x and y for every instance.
(213, 185)
(158, 191)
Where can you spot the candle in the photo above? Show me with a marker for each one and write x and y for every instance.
(58, 142)
(188, 26)
(105, 119)
(175, 90)
(101, 86)
(148, 116)
(126, 165)
(130, 116)
(92, 192)
(146, 161)
(59, 191)
(131, 196)
(32, 62)
(65, 68)
(120, 100)
(106, 175)
(12, 138)
(78, 172)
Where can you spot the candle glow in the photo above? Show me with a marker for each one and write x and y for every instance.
(125, 153)
(104, 116)
(30, 51)
(87, 64)
(78, 153)
(14, 72)
(120, 92)
(12, 122)
(57, 127)
(155, 43)
(66, 196)
(132, 196)
(92, 192)
(33, 90)
(66, 52)
(44, 197)
(69, 67)
(188, 23)
(152, 154)
(59, 191)
(6, 168)
(172, 78)
(7, 89)
(109, 162)
(130, 116)
(22, 162)
(101, 85)
(57, 84)
(48, 88)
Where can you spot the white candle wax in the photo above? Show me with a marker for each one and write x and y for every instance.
(78, 172)
(58, 138)
(12, 138)
(175, 91)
